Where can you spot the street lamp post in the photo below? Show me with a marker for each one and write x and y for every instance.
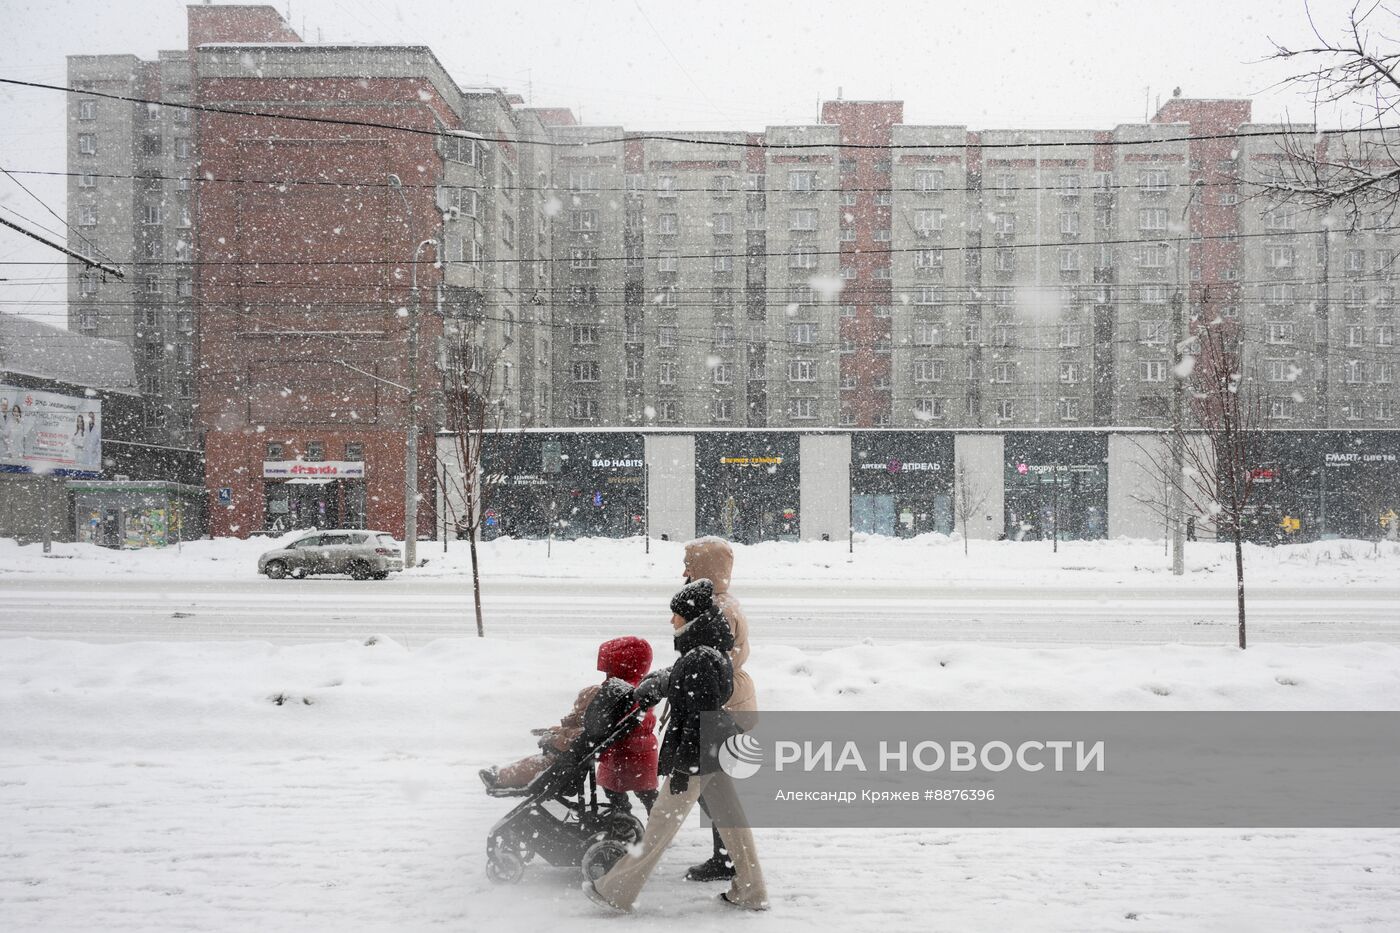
(410, 488)
(1175, 496)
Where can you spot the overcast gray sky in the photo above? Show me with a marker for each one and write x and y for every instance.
(722, 64)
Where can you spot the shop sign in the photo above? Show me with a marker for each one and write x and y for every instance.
(517, 479)
(330, 469)
(899, 466)
(1264, 474)
(751, 461)
(42, 431)
(1042, 468)
(1342, 460)
(606, 464)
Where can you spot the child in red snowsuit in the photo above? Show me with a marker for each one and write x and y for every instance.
(629, 764)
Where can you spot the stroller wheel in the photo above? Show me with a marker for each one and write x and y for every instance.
(505, 867)
(625, 828)
(600, 857)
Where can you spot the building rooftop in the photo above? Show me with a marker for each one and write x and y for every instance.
(40, 351)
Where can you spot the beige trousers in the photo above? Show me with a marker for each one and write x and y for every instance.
(624, 882)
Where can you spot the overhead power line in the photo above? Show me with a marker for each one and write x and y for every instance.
(89, 263)
(689, 140)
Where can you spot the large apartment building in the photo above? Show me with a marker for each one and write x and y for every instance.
(862, 272)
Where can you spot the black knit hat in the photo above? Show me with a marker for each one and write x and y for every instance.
(694, 600)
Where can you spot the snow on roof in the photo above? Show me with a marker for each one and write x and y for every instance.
(31, 348)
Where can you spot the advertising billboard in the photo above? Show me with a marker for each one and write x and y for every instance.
(41, 432)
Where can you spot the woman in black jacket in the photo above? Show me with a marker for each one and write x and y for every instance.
(696, 687)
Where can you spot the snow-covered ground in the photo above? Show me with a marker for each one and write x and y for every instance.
(331, 785)
(923, 560)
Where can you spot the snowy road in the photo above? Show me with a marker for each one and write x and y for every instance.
(805, 615)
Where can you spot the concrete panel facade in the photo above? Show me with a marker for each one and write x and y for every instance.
(671, 485)
(978, 461)
(825, 486)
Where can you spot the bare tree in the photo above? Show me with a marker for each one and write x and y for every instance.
(1357, 172)
(475, 410)
(1222, 450)
(1155, 465)
(970, 497)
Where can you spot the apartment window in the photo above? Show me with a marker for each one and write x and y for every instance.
(928, 260)
(184, 322)
(1103, 180)
(1385, 409)
(848, 272)
(802, 181)
(87, 180)
(1353, 372)
(802, 257)
(87, 110)
(1355, 260)
(666, 372)
(583, 181)
(150, 214)
(583, 258)
(87, 283)
(848, 234)
(1385, 373)
(1154, 370)
(1069, 185)
(667, 261)
(668, 224)
(274, 451)
(666, 186)
(583, 409)
(1004, 223)
(848, 310)
(1003, 372)
(1354, 294)
(883, 199)
(634, 183)
(1356, 335)
(1152, 294)
(802, 333)
(722, 409)
(1069, 223)
(634, 369)
(585, 334)
(1068, 409)
(1280, 332)
(1351, 410)
(1071, 335)
(585, 370)
(1004, 260)
(87, 215)
(1152, 332)
(583, 221)
(722, 185)
(316, 450)
(1152, 218)
(724, 336)
(1004, 335)
(1071, 373)
(87, 323)
(972, 333)
(666, 336)
(150, 145)
(150, 285)
(928, 334)
(802, 370)
(802, 219)
(1069, 260)
(183, 148)
(1006, 410)
(723, 224)
(802, 409)
(927, 221)
(930, 409)
(882, 235)
(1004, 183)
(928, 180)
(184, 354)
(848, 199)
(928, 295)
(1281, 257)
(1153, 257)
(722, 374)
(1385, 335)
(507, 186)
(930, 370)
(632, 256)
(1153, 180)
(87, 143)
(583, 294)
(668, 410)
(507, 231)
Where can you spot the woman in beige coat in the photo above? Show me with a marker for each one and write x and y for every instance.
(713, 559)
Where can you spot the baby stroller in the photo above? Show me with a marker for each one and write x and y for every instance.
(561, 820)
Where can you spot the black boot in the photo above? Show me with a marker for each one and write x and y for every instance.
(717, 867)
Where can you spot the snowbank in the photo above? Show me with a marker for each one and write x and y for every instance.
(926, 559)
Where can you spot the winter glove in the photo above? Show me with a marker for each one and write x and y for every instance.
(652, 688)
(694, 600)
(680, 782)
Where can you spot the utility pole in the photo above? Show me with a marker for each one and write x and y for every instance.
(1178, 440)
(410, 486)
